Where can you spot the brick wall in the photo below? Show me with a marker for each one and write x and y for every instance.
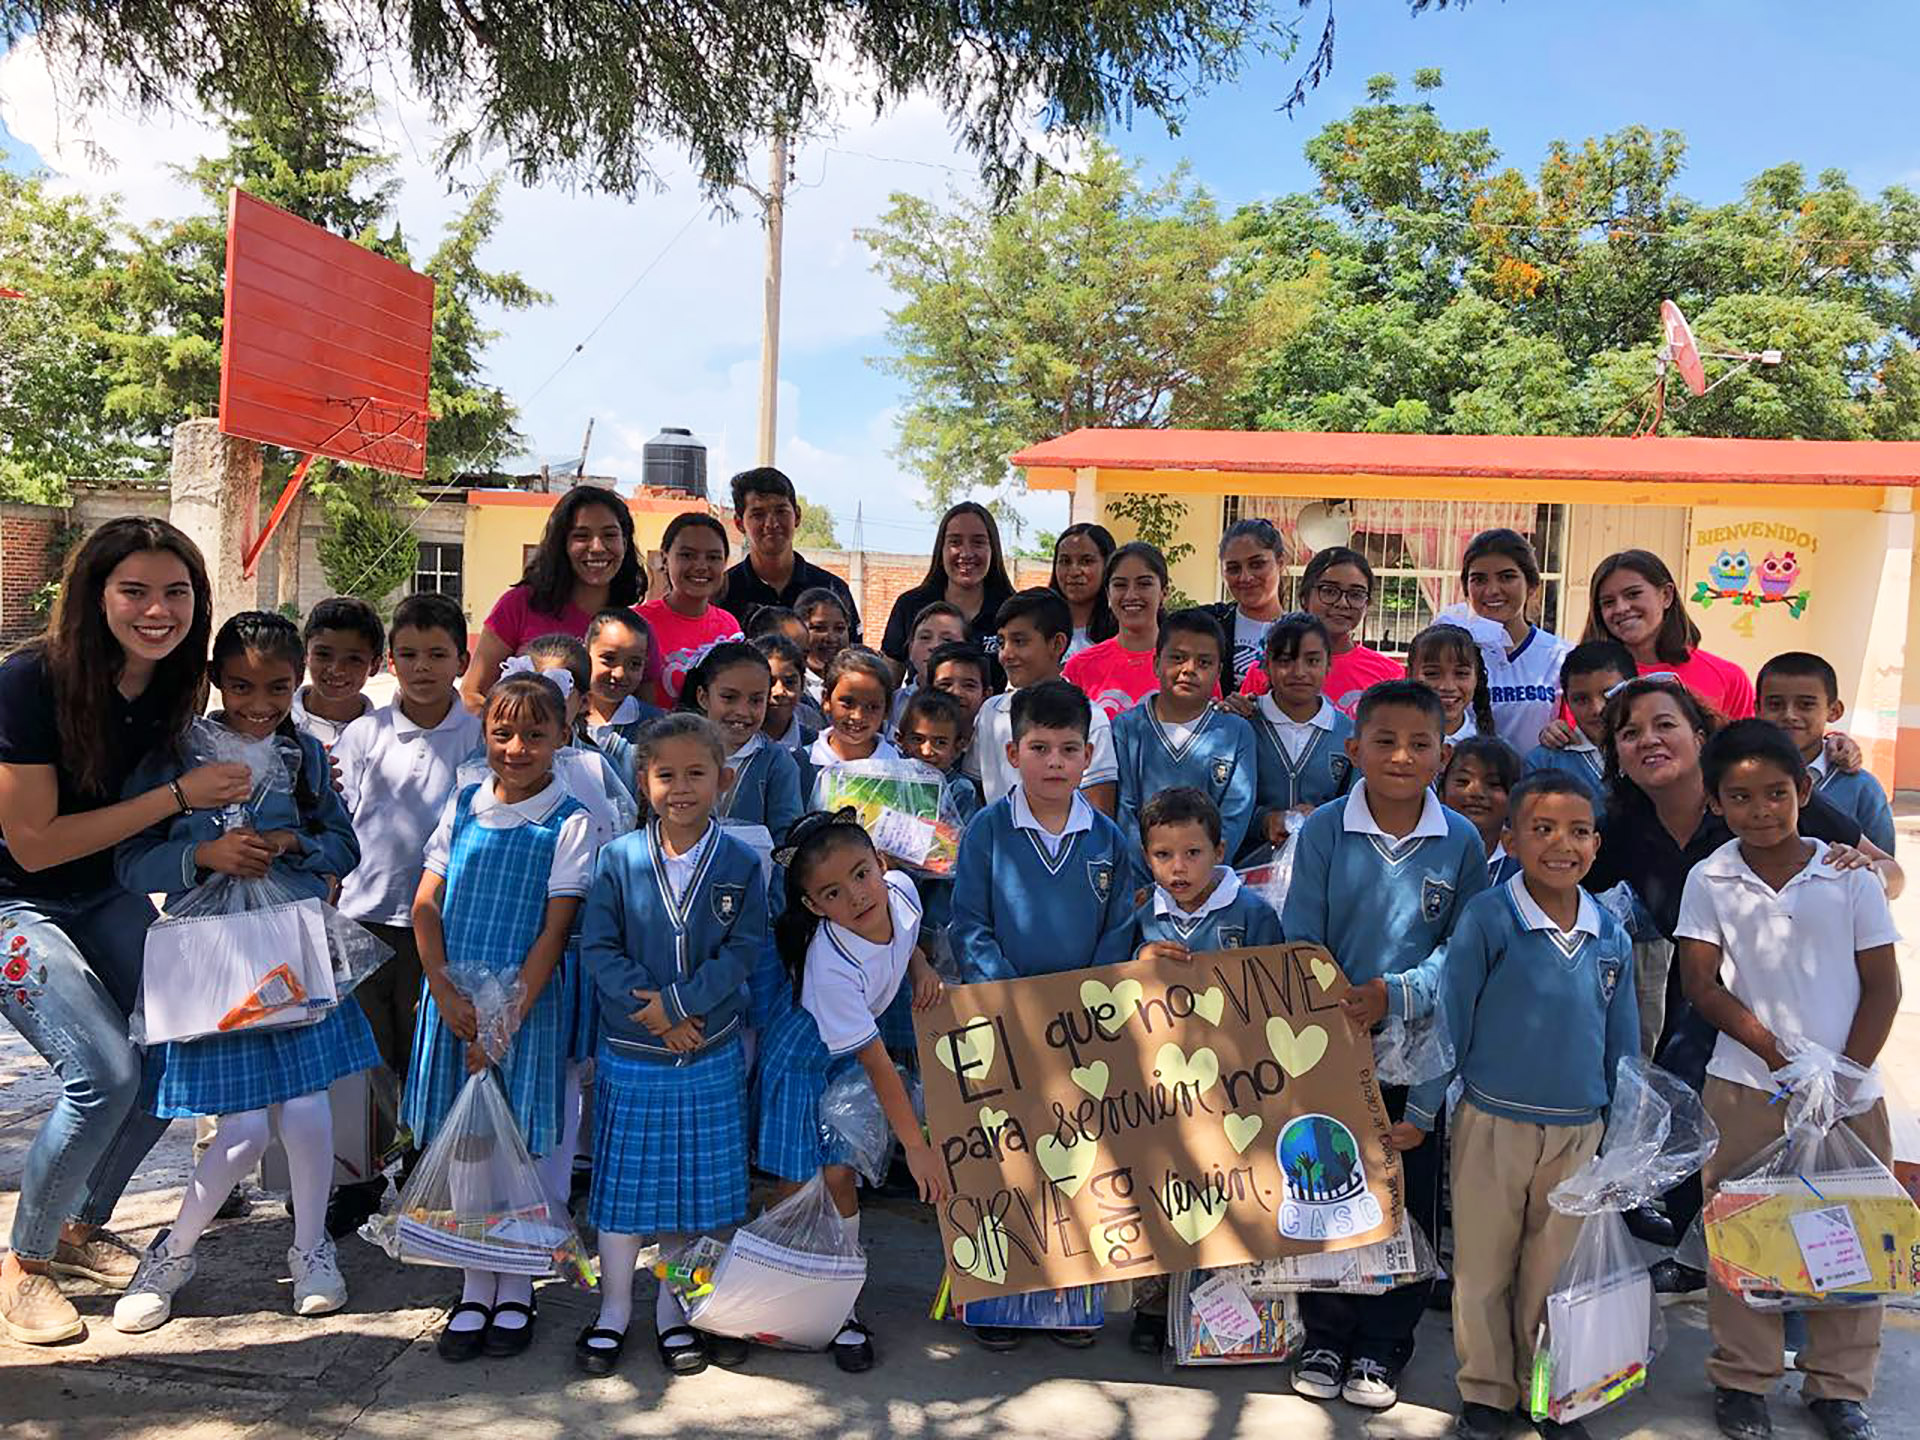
(886, 575)
(28, 535)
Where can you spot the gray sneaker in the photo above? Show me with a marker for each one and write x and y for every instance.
(148, 1303)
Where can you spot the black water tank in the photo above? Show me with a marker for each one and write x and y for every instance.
(674, 460)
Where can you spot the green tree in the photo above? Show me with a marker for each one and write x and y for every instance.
(601, 92)
(816, 530)
(1092, 300)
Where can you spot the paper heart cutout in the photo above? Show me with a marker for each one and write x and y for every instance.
(1324, 972)
(1068, 1166)
(991, 1119)
(1297, 1054)
(1204, 1209)
(1125, 998)
(974, 1041)
(1210, 1004)
(1091, 1078)
(983, 1254)
(1201, 1070)
(1241, 1130)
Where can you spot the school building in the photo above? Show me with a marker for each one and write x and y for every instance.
(1775, 544)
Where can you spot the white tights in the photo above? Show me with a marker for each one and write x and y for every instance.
(306, 1130)
(556, 1167)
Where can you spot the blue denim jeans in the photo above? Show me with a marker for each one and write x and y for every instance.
(69, 978)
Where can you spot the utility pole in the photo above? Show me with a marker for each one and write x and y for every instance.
(773, 204)
(585, 445)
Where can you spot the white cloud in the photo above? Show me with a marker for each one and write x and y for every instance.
(683, 347)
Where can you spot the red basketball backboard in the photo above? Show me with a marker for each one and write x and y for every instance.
(327, 345)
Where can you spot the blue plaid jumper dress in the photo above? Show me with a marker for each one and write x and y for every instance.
(492, 911)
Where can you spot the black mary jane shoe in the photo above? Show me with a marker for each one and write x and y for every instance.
(1073, 1339)
(599, 1359)
(729, 1352)
(687, 1359)
(857, 1357)
(457, 1346)
(504, 1342)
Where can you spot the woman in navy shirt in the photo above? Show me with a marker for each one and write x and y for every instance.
(121, 672)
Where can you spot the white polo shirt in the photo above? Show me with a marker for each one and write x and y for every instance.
(1079, 820)
(987, 761)
(1295, 735)
(849, 982)
(573, 855)
(1787, 955)
(396, 778)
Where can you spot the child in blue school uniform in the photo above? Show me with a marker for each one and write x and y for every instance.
(1479, 775)
(1800, 693)
(1379, 879)
(674, 923)
(618, 644)
(1178, 736)
(1300, 738)
(849, 941)
(856, 691)
(1591, 672)
(256, 1080)
(1044, 881)
(505, 872)
(1197, 903)
(933, 730)
(1540, 1005)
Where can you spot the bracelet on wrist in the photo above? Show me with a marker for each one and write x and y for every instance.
(180, 797)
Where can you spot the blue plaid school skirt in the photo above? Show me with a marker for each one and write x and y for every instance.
(579, 1006)
(769, 990)
(795, 1070)
(228, 1074)
(669, 1142)
(531, 1074)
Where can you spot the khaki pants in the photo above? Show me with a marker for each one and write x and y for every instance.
(1843, 1346)
(1652, 960)
(1508, 1243)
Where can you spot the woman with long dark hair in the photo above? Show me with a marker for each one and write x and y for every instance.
(1080, 556)
(586, 562)
(120, 674)
(1636, 602)
(968, 571)
(1253, 558)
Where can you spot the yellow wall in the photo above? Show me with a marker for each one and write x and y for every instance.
(1597, 531)
(1855, 571)
(1198, 575)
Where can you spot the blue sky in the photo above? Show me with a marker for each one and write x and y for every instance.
(1749, 84)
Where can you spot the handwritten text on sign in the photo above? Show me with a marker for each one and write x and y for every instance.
(1153, 1117)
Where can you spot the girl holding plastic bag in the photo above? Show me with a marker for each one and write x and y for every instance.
(297, 836)
(505, 872)
(849, 938)
(674, 922)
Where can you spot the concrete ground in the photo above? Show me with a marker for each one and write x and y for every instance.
(235, 1362)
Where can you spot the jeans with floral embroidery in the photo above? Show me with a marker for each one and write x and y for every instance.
(69, 978)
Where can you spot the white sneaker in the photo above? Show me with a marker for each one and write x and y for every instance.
(318, 1286)
(148, 1301)
(1370, 1385)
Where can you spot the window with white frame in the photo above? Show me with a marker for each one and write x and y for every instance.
(1414, 547)
(439, 571)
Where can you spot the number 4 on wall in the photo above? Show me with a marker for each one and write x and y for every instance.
(1743, 627)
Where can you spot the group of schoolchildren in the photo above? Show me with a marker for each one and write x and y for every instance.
(719, 991)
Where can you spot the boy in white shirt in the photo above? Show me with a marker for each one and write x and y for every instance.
(1035, 627)
(1782, 940)
(397, 771)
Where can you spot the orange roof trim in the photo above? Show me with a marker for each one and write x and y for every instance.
(1520, 457)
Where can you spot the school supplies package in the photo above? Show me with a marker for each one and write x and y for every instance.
(1603, 1321)
(854, 1126)
(1079, 1307)
(1410, 1052)
(789, 1278)
(475, 1200)
(1230, 1316)
(903, 805)
(236, 954)
(1271, 879)
(1403, 1258)
(1815, 1221)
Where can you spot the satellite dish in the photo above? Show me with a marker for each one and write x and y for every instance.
(1680, 350)
(1324, 524)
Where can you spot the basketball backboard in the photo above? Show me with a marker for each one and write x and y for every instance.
(327, 345)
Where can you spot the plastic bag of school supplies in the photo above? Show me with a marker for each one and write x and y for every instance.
(475, 1200)
(1603, 1325)
(903, 805)
(1230, 1316)
(1409, 1052)
(1271, 880)
(1815, 1220)
(1404, 1258)
(789, 1278)
(1079, 1307)
(855, 1127)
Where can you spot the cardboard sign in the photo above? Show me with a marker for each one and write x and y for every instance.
(1154, 1117)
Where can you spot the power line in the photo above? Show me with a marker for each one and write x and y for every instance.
(624, 296)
